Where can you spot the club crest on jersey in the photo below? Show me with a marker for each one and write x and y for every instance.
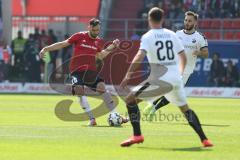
(84, 41)
(96, 43)
(194, 41)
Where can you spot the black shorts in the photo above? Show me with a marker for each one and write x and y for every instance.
(87, 78)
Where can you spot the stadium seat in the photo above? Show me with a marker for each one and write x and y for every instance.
(204, 24)
(227, 24)
(208, 35)
(235, 24)
(216, 35)
(237, 36)
(215, 24)
(228, 35)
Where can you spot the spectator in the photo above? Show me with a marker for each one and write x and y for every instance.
(235, 10)
(66, 55)
(217, 71)
(50, 64)
(231, 75)
(145, 9)
(44, 39)
(1, 62)
(225, 11)
(5, 55)
(18, 53)
(37, 36)
(52, 39)
(172, 12)
(32, 60)
(36, 33)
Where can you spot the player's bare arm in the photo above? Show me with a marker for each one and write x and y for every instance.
(183, 61)
(134, 65)
(203, 53)
(104, 53)
(53, 47)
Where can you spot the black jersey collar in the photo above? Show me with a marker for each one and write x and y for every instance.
(188, 33)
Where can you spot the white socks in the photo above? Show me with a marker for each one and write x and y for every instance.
(109, 102)
(107, 99)
(84, 104)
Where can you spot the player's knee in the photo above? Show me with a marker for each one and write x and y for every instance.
(101, 88)
(130, 100)
(78, 90)
(138, 100)
(184, 108)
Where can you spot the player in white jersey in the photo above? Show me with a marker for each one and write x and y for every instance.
(195, 45)
(163, 50)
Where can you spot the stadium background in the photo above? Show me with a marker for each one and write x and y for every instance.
(126, 20)
(29, 127)
(221, 28)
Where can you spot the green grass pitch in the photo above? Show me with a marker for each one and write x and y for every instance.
(29, 130)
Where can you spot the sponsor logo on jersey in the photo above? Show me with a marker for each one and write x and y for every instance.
(190, 47)
(88, 46)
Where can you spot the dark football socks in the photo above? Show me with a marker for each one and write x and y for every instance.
(134, 116)
(163, 102)
(194, 122)
(157, 100)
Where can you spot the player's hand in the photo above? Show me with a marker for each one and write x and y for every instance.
(116, 43)
(42, 53)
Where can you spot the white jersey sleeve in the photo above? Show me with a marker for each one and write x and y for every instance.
(203, 41)
(178, 46)
(144, 44)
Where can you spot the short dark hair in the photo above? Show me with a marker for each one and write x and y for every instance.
(94, 22)
(216, 54)
(156, 14)
(191, 13)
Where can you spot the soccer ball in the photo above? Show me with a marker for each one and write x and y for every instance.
(114, 119)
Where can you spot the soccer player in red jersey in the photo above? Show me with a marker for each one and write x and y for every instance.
(87, 47)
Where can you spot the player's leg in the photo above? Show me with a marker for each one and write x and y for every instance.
(96, 83)
(134, 116)
(194, 122)
(106, 96)
(178, 97)
(150, 110)
(78, 89)
(160, 102)
(148, 89)
(100, 87)
(131, 101)
(86, 107)
(77, 84)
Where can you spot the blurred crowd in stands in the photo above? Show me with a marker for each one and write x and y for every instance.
(221, 75)
(175, 10)
(20, 61)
